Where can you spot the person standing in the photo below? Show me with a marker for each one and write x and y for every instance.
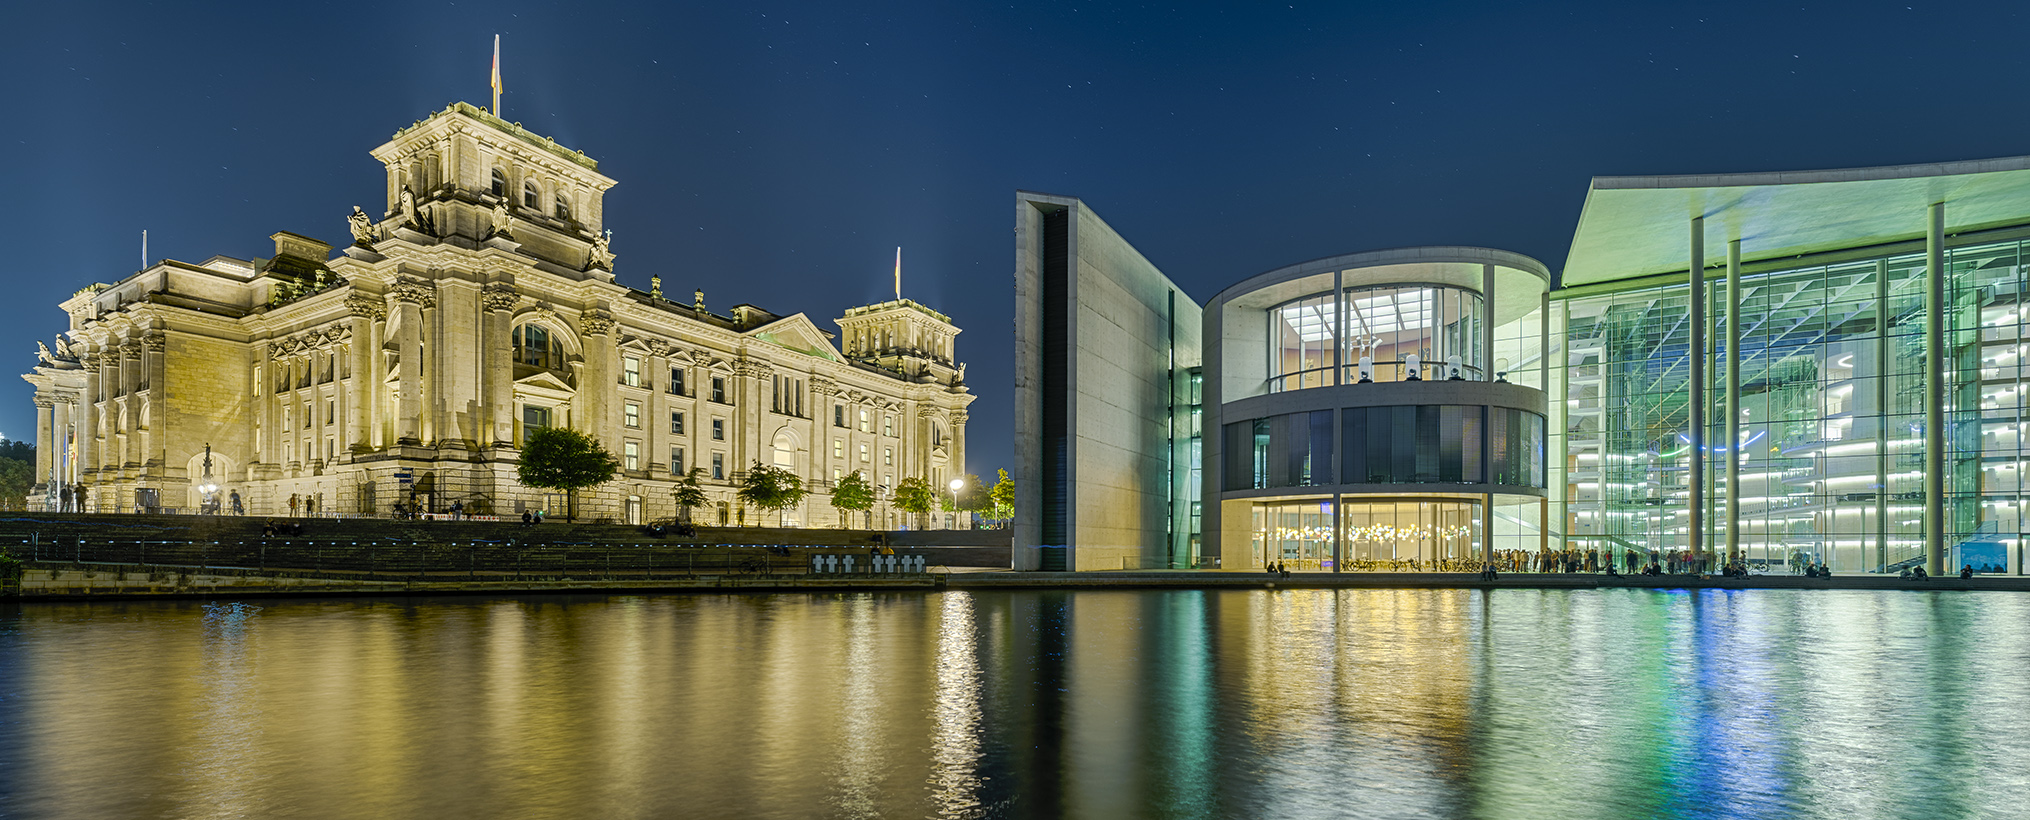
(238, 508)
(295, 500)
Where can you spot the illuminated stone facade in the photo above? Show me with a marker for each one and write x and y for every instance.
(481, 303)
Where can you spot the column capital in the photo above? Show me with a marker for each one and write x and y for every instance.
(499, 296)
(362, 306)
(155, 342)
(596, 321)
(44, 402)
(414, 291)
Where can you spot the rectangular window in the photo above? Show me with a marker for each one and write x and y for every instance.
(838, 448)
(887, 424)
(718, 466)
(677, 380)
(677, 422)
(630, 455)
(630, 371)
(863, 453)
(307, 417)
(887, 456)
(631, 415)
(286, 415)
(838, 415)
(330, 411)
(534, 417)
(719, 389)
(863, 422)
(677, 460)
(718, 429)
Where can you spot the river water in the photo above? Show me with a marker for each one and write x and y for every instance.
(1104, 704)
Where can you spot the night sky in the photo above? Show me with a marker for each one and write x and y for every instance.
(776, 154)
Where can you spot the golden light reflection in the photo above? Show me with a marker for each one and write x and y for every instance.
(955, 742)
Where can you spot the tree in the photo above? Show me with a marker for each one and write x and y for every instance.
(1003, 497)
(852, 494)
(914, 495)
(560, 458)
(17, 474)
(689, 493)
(771, 488)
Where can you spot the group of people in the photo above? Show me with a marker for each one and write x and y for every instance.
(272, 529)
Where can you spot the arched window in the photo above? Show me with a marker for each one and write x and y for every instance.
(563, 208)
(529, 197)
(499, 183)
(785, 450)
(536, 347)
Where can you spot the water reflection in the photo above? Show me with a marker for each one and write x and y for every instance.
(1311, 703)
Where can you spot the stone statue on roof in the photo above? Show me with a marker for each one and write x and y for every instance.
(411, 215)
(500, 219)
(602, 253)
(42, 353)
(363, 231)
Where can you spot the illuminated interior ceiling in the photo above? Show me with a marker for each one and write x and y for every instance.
(1640, 226)
(1311, 320)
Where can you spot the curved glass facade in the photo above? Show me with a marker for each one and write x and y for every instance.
(1378, 535)
(1387, 324)
(1401, 444)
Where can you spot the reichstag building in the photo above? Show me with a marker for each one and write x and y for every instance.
(478, 304)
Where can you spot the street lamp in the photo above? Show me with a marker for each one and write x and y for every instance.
(955, 485)
(209, 487)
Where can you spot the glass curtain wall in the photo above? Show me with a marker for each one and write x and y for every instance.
(1392, 535)
(1411, 536)
(1392, 323)
(1832, 415)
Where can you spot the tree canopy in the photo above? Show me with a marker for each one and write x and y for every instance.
(17, 474)
(560, 458)
(1003, 497)
(771, 488)
(689, 492)
(914, 495)
(852, 493)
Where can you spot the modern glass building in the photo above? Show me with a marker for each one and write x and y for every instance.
(1380, 410)
(1780, 369)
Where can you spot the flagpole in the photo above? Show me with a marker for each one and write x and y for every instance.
(496, 75)
(898, 273)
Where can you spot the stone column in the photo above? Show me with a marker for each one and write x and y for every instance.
(360, 388)
(1934, 391)
(109, 387)
(411, 296)
(60, 424)
(597, 384)
(498, 352)
(45, 443)
(88, 427)
(131, 454)
(154, 448)
(1696, 527)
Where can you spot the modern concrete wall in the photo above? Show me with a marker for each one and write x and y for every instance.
(1121, 323)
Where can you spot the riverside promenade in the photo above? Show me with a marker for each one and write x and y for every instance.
(72, 557)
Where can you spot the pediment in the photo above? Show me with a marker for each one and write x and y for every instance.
(797, 333)
(544, 380)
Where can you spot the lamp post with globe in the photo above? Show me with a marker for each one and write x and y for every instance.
(208, 505)
(956, 484)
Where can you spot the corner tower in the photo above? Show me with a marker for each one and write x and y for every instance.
(465, 174)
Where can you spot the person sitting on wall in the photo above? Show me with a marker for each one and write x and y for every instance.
(1918, 573)
(268, 529)
(1967, 571)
